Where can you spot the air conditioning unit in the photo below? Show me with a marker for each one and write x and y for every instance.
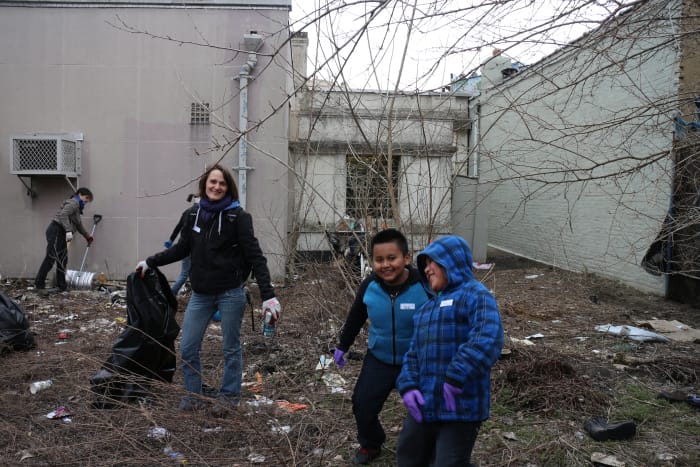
(46, 154)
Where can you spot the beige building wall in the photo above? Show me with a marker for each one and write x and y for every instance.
(126, 77)
(577, 148)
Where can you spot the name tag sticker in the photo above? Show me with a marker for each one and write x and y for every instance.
(196, 228)
(446, 303)
(408, 306)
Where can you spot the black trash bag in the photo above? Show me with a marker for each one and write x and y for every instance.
(145, 351)
(14, 328)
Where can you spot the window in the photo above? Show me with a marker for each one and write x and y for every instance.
(367, 187)
(199, 113)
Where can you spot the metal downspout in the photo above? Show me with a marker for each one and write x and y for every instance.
(252, 43)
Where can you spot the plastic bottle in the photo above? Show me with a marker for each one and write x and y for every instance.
(269, 324)
(39, 386)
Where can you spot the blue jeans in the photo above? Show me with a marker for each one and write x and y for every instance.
(184, 274)
(199, 311)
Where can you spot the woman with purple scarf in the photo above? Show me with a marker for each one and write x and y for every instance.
(218, 236)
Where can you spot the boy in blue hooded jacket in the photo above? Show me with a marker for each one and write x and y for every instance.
(445, 378)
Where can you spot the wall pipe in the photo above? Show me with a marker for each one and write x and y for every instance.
(252, 43)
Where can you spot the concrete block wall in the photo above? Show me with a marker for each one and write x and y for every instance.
(578, 149)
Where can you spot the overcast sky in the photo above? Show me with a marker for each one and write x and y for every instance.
(447, 37)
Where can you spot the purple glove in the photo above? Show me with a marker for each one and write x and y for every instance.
(338, 357)
(449, 392)
(413, 400)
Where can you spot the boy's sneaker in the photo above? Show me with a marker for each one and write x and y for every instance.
(365, 455)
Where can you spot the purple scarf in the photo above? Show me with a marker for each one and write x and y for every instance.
(209, 209)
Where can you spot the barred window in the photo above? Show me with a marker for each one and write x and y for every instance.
(199, 113)
(367, 187)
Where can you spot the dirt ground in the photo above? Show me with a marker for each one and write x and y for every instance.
(295, 414)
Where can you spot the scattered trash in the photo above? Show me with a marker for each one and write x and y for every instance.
(478, 265)
(60, 412)
(535, 336)
(665, 457)
(290, 406)
(324, 362)
(25, 454)
(158, 432)
(673, 396)
(533, 276)
(257, 386)
(521, 341)
(337, 390)
(174, 455)
(556, 321)
(281, 429)
(260, 400)
(599, 458)
(674, 330)
(680, 396)
(510, 436)
(333, 379)
(39, 386)
(118, 298)
(120, 320)
(693, 400)
(634, 333)
(256, 458)
(62, 335)
(216, 429)
(600, 430)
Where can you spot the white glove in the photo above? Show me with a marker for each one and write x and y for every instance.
(143, 267)
(273, 305)
(69, 236)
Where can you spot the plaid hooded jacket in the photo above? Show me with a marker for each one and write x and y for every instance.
(457, 338)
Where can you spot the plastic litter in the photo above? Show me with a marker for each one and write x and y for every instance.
(175, 456)
(333, 379)
(37, 386)
(634, 333)
(599, 458)
(60, 412)
(256, 458)
(324, 362)
(158, 432)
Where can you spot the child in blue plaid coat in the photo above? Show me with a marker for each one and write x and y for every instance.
(445, 378)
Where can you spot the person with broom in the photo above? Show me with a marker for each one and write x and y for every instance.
(59, 233)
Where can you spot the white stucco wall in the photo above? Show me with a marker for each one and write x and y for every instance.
(77, 69)
(577, 148)
(421, 131)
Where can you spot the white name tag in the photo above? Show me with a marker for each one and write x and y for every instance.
(446, 303)
(196, 228)
(408, 306)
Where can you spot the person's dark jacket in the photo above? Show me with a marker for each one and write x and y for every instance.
(181, 223)
(390, 312)
(223, 252)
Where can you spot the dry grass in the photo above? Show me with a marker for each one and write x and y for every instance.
(541, 394)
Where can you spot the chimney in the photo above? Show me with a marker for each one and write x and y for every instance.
(300, 45)
(491, 70)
